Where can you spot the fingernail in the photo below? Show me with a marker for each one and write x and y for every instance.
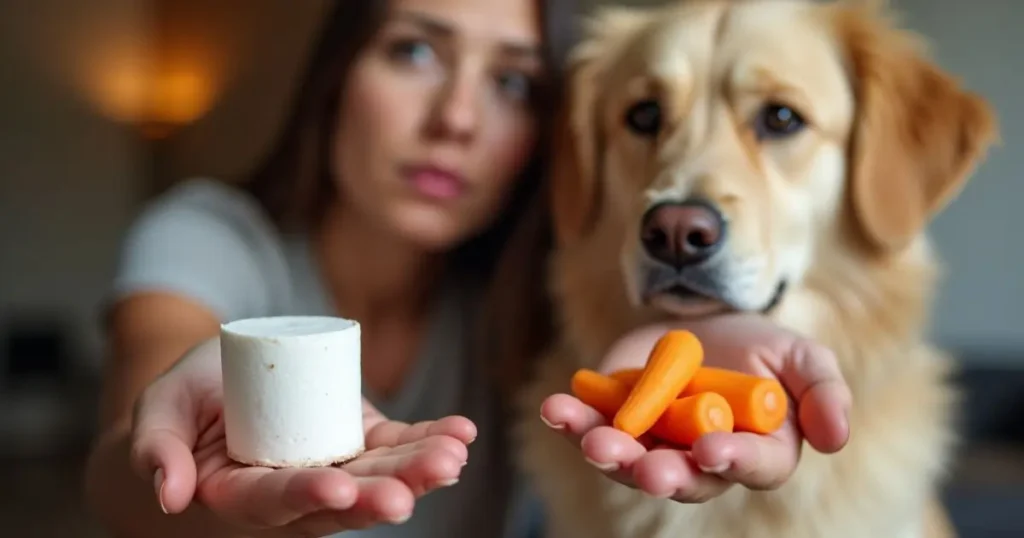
(447, 482)
(398, 520)
(715, 469)
(470, 441)
(606, 467)
(551, 424)
(158, 484)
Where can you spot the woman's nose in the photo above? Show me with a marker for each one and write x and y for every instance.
(457, 112)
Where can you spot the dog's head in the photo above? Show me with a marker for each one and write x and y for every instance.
(714, 150)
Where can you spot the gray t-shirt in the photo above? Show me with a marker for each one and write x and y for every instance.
(212, 242)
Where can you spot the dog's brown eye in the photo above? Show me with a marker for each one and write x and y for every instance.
(777, 121)
(644, 118)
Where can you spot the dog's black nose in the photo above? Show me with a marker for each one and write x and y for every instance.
(682, 233)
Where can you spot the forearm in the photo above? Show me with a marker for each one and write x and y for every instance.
(127, 505)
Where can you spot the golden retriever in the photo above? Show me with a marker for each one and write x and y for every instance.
(780, 156)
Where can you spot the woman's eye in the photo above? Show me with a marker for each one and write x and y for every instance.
(515, 85)
(412, 51)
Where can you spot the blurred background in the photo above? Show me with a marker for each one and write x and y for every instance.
(105, 103)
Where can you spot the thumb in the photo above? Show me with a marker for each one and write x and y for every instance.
(163, 435)
(811, 373)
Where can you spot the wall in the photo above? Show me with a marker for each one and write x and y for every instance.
(258, 48)
(68, 173)
(981, 307)
(74, 170)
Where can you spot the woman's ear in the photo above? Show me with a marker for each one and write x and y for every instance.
(918, 135)
(576, 158)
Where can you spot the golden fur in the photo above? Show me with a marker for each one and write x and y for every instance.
(838, 210)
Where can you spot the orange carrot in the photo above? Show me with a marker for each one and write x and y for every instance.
(682, 423)
(759, 405)
(628, 376)
(672, 363)
(601, 392)
(687, 419)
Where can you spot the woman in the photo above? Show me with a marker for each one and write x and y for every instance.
(413, 150)
(408, 156)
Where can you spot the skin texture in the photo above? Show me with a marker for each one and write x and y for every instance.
(835, 207)
(446, 82)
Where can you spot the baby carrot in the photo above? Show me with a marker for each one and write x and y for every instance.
(682, 423)
(601, 392)
(672, 363)
(628, 376)
(687, 419)
(759, 405)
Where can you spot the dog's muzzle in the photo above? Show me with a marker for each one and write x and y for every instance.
(683, 243)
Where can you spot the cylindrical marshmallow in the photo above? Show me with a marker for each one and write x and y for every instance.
(292, 391)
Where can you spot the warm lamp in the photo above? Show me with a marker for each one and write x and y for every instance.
(176, 98)
(158, 99)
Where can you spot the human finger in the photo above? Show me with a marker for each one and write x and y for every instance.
(267, 498)
(387, 433)
(811, 373)
(573, 419)
(758, 462)
(613, 452)
(426, 465)
(379, 500)
(570, 416)
(163, 434)
(670, 473)
(610, 449)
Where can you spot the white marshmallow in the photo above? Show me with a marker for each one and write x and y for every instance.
(292, 391)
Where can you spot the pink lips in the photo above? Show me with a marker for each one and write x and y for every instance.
(434, 182)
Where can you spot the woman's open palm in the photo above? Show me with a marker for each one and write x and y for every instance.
(178, 438)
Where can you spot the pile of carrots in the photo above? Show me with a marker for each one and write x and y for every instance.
(676, 399)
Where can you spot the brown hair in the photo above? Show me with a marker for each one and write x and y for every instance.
(293, 182)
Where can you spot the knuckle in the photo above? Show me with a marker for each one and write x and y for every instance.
(822, 352)
(756, 355)
(145, 403)
(815, 353)
(138, 456)
(817, 363)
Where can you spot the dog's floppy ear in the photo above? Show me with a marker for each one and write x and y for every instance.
(575, 189)
(918, 134)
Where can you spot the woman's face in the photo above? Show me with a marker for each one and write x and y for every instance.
(436, 121)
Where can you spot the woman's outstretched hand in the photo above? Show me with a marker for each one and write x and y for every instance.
(747, 343)
(178, 442)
